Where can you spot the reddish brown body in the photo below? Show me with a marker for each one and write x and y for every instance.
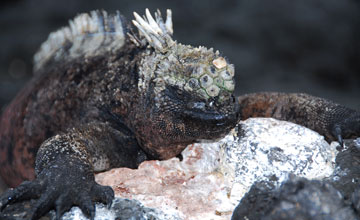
(44, 107)
(17, 151)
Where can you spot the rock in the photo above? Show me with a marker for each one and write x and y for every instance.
(298, 198)
(268, 150)
(346, 177)
(120, 209)
(213, 176)
(191, 188)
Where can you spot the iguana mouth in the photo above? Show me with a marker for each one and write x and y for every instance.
(214, 117)
(218, 118)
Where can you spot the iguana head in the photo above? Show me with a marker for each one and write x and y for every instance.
(188, 89)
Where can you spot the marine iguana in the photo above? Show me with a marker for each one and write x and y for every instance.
(105, 96)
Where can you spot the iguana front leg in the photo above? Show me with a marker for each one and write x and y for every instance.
(65, 166)
(332, 120)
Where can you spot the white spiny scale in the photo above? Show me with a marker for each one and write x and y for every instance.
(95, 20)
(87, 36)
(79, 24)
(93, 27)
(72, 27)
(157, 43)
(66, 33)
(155, 32)
(168, 23)
(160, 21)
(152, 37)
(118, 24)
(152, 22)
(146, 26)
(90, 23)
(104, 18)
(140, 28)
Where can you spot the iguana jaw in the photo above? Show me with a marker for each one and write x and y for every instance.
(211, 123)
(213, 117)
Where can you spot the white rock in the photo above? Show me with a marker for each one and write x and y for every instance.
(269, 150)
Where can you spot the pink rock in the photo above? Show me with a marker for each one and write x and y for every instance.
(191, 188)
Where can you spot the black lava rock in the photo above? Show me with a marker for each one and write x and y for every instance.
(298, 198)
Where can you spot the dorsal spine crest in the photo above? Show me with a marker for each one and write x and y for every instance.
(87, 35)
(155, 31)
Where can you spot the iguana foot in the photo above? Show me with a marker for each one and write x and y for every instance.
(346, 127)
(59, 187)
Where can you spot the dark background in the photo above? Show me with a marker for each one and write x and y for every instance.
(310, 46)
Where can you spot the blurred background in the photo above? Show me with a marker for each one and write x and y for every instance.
(310, 46)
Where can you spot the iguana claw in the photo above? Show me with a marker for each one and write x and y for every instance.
(60, 187)
(347, 128)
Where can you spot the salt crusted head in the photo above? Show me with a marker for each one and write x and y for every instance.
(192, 86)
(200, 71)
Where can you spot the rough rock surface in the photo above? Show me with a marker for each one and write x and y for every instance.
(191, 188)
(298, 198)
(268, 150)
(337, 197)
(346, 177)
(206, 183)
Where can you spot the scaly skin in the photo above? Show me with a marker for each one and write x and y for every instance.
(115, 98)
(332, 120)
